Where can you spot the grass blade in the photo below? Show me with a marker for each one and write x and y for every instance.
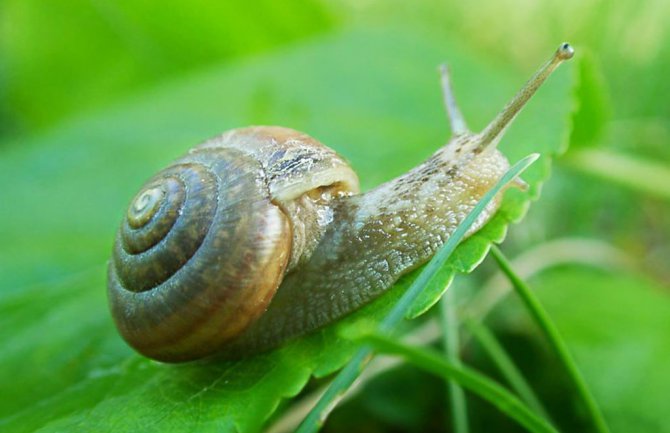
(553, 337)
(451, 344)
(348, 375)
(466, 377)
(505, 365)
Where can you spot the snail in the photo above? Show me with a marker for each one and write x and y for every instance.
(261, 235)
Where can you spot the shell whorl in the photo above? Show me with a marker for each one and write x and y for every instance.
(205, 243)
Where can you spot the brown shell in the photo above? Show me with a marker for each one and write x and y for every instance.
(205, 243)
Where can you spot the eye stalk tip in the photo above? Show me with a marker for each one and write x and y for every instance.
(565, 51)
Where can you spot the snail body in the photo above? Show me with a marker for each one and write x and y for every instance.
(260, 235)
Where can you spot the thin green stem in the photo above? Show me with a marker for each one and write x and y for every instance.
(643, 175)
(474, 381)
(554, 339)
(505, 365)
(348, 375)
(451, 346)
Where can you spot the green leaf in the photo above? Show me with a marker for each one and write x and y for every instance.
(593, 105)
(371, 94)
(129, 43)
(617, 325)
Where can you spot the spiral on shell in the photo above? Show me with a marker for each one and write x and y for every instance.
(198, 256)
(205, 244)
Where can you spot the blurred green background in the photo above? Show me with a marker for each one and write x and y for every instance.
(91, 89)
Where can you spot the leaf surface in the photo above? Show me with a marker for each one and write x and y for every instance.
(617, 325)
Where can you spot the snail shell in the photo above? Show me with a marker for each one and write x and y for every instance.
(206, 242)
(260, 235)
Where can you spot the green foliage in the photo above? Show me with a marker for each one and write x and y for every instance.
(646, 176)
(616, 324)
(555, 341)
(128, 44)
(83, 378)
(589, 123)
(474, 381)
(593, 111)
(361, 77)
(62, 360)
(487, 340)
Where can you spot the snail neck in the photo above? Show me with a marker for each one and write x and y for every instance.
(419, 210)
